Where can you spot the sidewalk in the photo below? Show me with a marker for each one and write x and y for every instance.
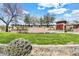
(73, 32)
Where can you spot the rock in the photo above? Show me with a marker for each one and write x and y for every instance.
(18, 47)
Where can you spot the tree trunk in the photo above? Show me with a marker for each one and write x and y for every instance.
(65, 29)
(47, 24)
(40, 24)
(7, 27)
(29, 24)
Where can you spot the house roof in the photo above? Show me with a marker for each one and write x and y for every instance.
(60, 20)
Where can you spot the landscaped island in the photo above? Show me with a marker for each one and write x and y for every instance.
(41, 39)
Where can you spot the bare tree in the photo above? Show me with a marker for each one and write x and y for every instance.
(49, 19)
(41, 21)
(27, 19)
(8, 12)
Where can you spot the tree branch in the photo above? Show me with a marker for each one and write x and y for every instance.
(10, 19)
(3, 20)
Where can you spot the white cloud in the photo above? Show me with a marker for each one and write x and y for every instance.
(75, 12)
(67, 15)
(56, 5)
(46, 4)
(74, 15)
(25, 12)
(41, 8)
(57, 11)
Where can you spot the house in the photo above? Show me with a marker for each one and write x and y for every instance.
(75, 27)
(67, 26)
(61, 25)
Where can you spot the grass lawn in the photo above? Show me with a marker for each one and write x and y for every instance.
(41, 38)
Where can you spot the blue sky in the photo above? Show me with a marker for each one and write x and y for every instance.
(32, 8)
(68, 11)
(61, 10)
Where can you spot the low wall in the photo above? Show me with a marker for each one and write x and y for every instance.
(55, 50)
(50, 50)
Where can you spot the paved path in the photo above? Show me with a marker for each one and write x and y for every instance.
(73, 32)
